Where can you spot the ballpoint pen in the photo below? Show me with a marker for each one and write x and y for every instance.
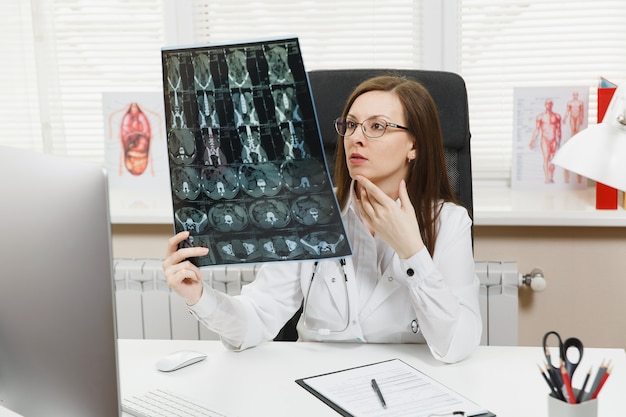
(378, 393)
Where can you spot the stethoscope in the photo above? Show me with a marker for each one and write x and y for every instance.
(325, 331)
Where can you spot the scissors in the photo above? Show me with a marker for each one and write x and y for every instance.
(564, 347)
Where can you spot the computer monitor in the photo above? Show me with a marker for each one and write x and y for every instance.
(57, 326)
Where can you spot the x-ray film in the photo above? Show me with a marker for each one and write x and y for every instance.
(248, 175)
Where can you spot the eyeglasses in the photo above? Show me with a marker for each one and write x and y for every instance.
(372, 128)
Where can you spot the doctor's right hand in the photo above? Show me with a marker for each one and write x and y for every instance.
(182, 276)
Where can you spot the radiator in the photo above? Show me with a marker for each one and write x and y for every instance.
(147, 309)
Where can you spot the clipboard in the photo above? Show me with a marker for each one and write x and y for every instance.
(406, 391)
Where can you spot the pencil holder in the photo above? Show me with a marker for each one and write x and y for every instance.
(558, 408)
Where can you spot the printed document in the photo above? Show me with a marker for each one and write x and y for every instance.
(406, 392)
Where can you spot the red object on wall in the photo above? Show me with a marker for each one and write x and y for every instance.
(606, 197)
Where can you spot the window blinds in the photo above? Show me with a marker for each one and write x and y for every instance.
(535, 43)
(61, 55)
(338, 34)
(19, 111)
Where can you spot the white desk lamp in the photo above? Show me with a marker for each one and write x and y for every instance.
(599, 151)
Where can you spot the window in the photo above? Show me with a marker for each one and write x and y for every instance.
(64, 54)
(348, 34)
(61, 55)
(526, 43)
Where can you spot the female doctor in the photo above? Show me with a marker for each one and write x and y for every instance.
(411, 277)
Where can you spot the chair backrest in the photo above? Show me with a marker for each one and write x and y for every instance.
(331, 88)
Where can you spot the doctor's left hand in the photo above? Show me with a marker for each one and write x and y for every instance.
(395, 224)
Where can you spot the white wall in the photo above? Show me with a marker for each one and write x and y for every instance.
(585, 268)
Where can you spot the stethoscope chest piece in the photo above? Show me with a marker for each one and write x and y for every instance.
(414, 326)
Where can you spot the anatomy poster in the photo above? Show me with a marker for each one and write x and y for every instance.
(248, 175)
(544, 119)
(136, 155)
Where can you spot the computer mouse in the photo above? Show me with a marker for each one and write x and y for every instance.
(179, 359)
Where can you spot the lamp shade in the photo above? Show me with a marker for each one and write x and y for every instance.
(599, 151)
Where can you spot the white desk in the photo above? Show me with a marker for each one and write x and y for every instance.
(260, 381)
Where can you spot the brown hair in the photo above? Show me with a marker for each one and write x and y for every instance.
(427, 181)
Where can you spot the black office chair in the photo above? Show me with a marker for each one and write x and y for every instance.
(331, 88)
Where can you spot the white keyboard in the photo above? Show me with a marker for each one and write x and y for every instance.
(160, 403)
